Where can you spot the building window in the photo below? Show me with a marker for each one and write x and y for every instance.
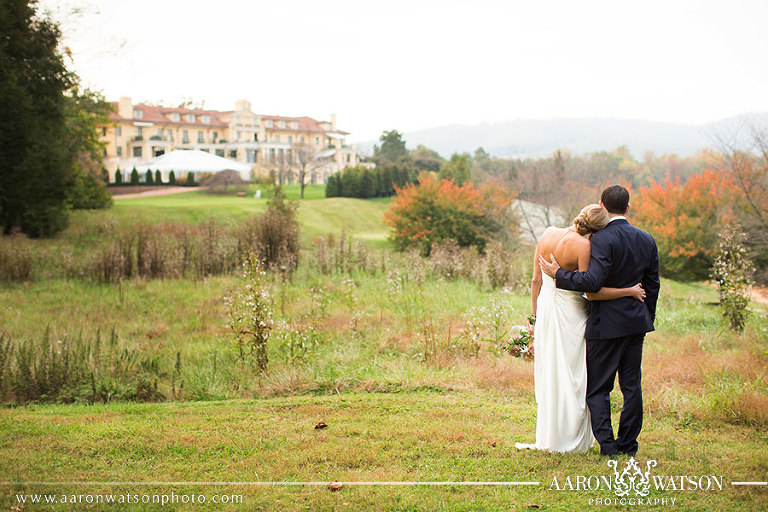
(169, 134)
(277, 138)
(281, 124)
(191, 118)
(137, 151)
(119, 131)
(139, 133)
(138, 114)
(256, 137)
(268, 123)
(119, 151)
(317, 141)
(105, 152)
(220, 152)
(200, 138)
(250, 155)
(176, 117)
(301, 139)
(290, 139)
(184, 137)
(294, 125)
(271, 154)
(233, 153)
(348, 156)
(104, 130)
(215, 136)
(206, 119)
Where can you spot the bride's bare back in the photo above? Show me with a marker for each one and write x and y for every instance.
(571, 249)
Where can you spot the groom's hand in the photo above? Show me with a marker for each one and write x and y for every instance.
(549, 267)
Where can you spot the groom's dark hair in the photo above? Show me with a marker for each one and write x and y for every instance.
(615, 199)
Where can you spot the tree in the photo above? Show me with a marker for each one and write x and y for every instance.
(158, 177)
(134, 177)
(367, 184)
(683, 218)
(148, 177)
(745, 164)
(88, 193)
(435, 210)
(332, 187)
(392, 147)
(86, 112)
(307, 158)
(118, 177)
(426, 159)
(543, 183)
(190, 181)
(171, 178)
(350, 182)
(456, 169)
(36, 163)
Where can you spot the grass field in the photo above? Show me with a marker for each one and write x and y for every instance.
(317, 214)
(389, 369)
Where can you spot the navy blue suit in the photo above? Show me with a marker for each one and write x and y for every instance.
(622, 256)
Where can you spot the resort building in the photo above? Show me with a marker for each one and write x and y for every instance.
(268, 144)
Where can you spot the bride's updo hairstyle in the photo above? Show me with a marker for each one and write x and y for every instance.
(592, 218)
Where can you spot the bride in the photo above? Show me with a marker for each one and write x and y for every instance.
(560, 368)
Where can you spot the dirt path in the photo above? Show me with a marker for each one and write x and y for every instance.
(161, 192)
(760, 294)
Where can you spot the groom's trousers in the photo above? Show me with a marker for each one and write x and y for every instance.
(606, 358)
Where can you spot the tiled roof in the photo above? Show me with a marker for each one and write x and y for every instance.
(155, 114)
(305, 124)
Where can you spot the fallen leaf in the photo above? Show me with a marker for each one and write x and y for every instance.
(322, 424)
(334, 486)
(534, 505)
(532, 468)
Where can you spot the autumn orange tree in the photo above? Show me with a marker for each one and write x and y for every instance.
(434, 210)
(684, 218)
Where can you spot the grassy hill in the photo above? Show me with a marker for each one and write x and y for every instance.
(317, 215)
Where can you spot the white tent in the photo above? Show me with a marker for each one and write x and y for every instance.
(183, 161)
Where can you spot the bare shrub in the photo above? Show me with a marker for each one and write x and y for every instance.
(274, 235)
(16, 258)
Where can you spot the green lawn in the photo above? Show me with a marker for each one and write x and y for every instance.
(401, 437)
(318, 215)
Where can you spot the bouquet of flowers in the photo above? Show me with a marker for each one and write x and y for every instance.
(520, 343)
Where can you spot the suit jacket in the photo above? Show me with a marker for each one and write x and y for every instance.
(622, 256)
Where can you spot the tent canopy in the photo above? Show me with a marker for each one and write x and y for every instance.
(196, 161)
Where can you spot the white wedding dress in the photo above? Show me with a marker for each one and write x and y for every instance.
(560, 367)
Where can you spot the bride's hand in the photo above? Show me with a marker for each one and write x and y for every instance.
(637, 292)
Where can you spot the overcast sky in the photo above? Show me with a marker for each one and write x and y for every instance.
(416, 64)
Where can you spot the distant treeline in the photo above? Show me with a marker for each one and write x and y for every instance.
(362, 182)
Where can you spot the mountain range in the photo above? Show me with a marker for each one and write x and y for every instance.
(537, 138)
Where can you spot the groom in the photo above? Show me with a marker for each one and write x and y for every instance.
(622, 256)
